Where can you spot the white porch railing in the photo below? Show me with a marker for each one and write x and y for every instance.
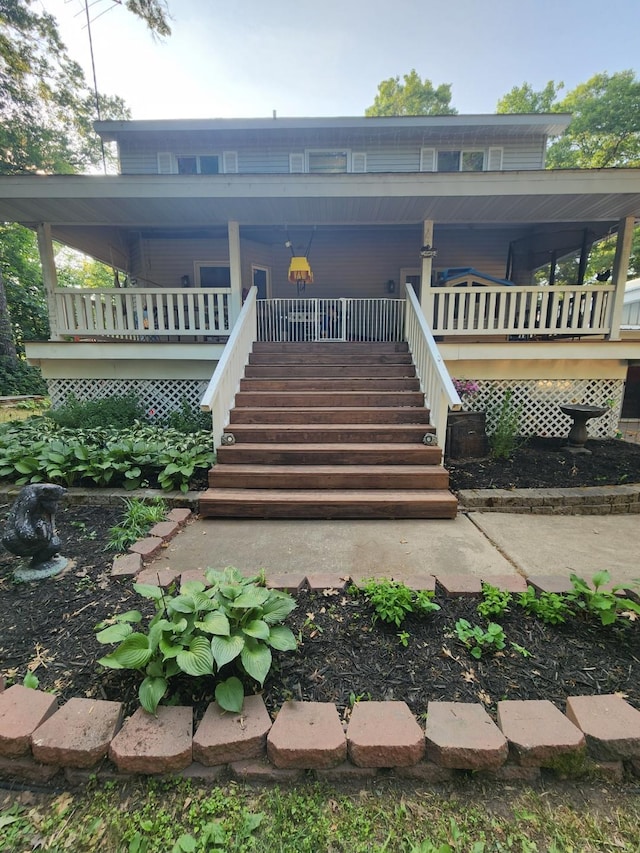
(302, 319)
(435, 382)
(221, 391)
(520, 311)
(143, 312)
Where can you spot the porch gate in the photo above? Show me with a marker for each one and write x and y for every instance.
(309, 319)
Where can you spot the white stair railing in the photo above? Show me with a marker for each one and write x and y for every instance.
(435, 382)
(225, 382)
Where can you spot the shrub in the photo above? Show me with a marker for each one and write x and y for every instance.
(18, 378)
(495, 602)
(505, 437)
(116, 411)
(392, 600)
(188, 418)
(229, 620)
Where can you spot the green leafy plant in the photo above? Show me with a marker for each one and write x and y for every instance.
(495, 602)
(139, 516)
(404, 637)
(505, 436)
(188, 418)
(31, 680)
(477, 640)
(114, 411)
(605, 604)
(392, 600)
(39, 449)
(229, 619)
(550, 607)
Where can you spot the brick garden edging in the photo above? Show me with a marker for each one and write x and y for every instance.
(40, 742)
(585, 500)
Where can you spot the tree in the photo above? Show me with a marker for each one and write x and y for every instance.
(605, 126)
(524, 99)
(46, 117)
(413, 97)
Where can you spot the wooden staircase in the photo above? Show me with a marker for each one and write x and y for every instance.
(329, 430)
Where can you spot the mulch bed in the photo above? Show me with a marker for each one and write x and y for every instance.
(49, 627)
(544, 463)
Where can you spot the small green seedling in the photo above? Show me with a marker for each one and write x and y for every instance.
(550, 607)
(392, 600)
(495, 602)
(605, 604)
(477, 640)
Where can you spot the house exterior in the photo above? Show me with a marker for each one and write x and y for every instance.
(460, 208)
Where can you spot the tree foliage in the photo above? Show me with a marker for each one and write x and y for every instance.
(413, 97)
(155, 14)
(524, 99)
(605, 126)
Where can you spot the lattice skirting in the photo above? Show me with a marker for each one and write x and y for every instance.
(160, 396)
(539, 401)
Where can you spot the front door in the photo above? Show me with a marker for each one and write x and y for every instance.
(261, 281)
(412, 277)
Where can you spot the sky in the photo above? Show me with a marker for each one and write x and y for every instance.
(247, 58)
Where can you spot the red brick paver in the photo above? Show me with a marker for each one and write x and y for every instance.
(308, 736)
(78, 735)
(550, 583)
(223, 737)
(508, 583)
(179, 514)
(320, 581)
(160, 744)
(459, 585)
(538, 732)
(126, 565)
(147, 548)
(611, 726)
(22, 710)
(462, 735)
(291, 583)
(26, 769)
(165, 530)
(384, 734)
(163, 577)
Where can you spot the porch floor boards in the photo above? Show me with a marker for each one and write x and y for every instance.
(316, 436)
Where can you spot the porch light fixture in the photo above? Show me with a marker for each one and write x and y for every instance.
(428, 251)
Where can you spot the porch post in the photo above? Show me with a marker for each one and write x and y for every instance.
(426, 297)
(49, 276)
(619, 278)
(235, 271)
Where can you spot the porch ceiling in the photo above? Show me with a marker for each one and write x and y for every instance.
(371, 199)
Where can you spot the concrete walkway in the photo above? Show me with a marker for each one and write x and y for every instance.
(478, 544)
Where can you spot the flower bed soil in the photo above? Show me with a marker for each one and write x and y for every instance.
(544, 463)
(48, 628)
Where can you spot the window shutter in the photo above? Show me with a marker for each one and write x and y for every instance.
(427, 159)
(167, 164)
(296, 163)
(230, 162)
(495, 160)
(358, 162)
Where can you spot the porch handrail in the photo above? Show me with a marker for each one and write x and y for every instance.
(223, 386)
(520, 311)
(143, 312)
(435, 382)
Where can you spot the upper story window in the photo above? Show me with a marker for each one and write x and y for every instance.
(197, 164)
(460, 160)
(328, 162)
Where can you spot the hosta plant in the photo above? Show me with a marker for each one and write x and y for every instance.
(230, 620)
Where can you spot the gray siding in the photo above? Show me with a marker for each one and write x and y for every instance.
(396, 155)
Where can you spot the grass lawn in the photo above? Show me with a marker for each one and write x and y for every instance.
(469, 816)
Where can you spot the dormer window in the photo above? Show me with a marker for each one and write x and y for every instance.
(460, 161)
(198, 165)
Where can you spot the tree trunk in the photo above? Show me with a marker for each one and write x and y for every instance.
(7, 346)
